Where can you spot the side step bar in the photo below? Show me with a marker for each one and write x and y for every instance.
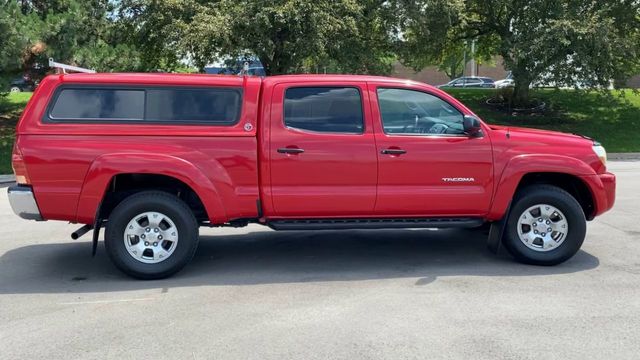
(337, 224)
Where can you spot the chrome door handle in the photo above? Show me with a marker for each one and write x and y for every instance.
(393, 151)
(290, 150)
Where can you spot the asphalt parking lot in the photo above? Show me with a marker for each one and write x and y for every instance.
(256, 294)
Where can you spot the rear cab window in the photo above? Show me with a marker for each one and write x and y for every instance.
(98, 104)
(146, 105)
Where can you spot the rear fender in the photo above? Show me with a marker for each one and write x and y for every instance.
(105, 167)
(519, 166)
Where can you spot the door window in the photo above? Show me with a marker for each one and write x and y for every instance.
(416, 113)
(324, 109)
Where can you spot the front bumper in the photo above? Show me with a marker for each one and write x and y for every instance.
(23, 202)
(603, 189)
(609, 185)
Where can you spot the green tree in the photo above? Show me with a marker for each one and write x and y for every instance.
(11, 42)
(284, 34)
(155, 30)
(592, 41)
(430, 37)
(85, 33)
(20, 32)
(452, 58)
(365, 45)
(427, 33)
(563, 40)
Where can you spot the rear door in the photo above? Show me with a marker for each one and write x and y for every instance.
(322, 150)
(427, 165)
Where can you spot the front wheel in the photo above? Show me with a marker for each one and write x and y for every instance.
(546, 226)
(151, 235)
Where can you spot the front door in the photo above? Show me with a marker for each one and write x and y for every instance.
(428, 166)
(322, 150)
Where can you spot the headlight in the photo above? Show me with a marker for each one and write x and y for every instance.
(600, 152)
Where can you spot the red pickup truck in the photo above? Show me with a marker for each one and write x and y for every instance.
(152, 157)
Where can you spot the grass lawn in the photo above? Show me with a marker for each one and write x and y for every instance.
(10, 109)
(615, 121)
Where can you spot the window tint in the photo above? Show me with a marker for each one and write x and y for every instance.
(99, 104)
(324, 109)
(415, 112)
(152, 105)
(193, 105)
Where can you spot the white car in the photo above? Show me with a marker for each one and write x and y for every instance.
(506, 82)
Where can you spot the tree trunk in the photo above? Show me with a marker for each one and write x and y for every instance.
(521, 94)
(275, 67)
(267, 64)
(267, 68)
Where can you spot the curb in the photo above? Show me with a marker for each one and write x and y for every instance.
(623, 156)
(6, 179)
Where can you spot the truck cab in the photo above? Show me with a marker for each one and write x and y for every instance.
(152, 157)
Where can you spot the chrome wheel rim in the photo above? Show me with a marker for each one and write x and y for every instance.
(542, 227)
(151, 237)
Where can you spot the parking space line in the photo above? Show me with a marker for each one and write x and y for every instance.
(104, 301)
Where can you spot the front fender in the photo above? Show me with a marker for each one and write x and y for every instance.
(105, 167)
(520, 165)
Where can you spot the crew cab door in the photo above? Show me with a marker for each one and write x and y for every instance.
(427, 165)
(322, 153)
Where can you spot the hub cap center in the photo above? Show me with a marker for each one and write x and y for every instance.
(542, 227)
(151, 237)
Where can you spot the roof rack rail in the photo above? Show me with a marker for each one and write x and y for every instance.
(63, 68)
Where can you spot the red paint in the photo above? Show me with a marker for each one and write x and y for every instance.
(412, 183)
(335, 176)
(338, 175)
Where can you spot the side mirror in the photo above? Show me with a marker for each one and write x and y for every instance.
(471, 126)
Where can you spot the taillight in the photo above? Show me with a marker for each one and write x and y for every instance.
(19, 168)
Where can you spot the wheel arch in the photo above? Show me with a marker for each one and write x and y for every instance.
(561, 171)
(124, 185)
(572, 184)
(129, 173)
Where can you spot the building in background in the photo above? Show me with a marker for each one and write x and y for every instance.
(432, 76)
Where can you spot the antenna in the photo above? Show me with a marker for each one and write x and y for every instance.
(63, 68)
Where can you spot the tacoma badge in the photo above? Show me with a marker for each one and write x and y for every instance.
(459, 179)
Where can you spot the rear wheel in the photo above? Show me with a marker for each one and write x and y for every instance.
(151, 235)
(546, 226)
(15, 89)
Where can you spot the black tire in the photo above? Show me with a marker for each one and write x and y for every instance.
(146, 201)
(563, 201)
